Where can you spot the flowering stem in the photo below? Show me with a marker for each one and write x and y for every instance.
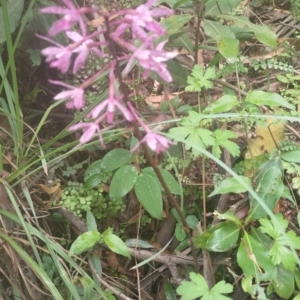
(149, 159)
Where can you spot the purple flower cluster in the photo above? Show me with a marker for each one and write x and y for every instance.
(141, 21)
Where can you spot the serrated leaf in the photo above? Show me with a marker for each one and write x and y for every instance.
(123, 181)
(85, 242)
(219, 238)
(232, 185)
(115, 159)
(266, 98)
(223, 104)
(148, 193)
(115, 244)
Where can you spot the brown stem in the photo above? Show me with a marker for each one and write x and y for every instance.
(150, 160)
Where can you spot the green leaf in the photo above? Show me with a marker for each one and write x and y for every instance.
(194, 289)
(14, 9)
(254, 260)
(115, 244)
(192, 221)
(263, 33)
(284, 284)
(231, 185)
(148, 193)
(169, 291)
(223, 104)
(93, 181)
(171, 182)
(266, 98)
(115, 159)
(280, 250)
(179, 232)
(297, 277)
(93, 168)
(291, 156)
(123, 181)
(219, 238)
(269, 188)
(222, 137)
(178, 72)
(227, 43)
(183, 41)
(199, 80)
(216, 7)
(85, 242)
(174, 23)
(199, 288)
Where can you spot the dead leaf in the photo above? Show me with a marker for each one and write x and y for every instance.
(50, 190)
(267, 137)
(101, 21)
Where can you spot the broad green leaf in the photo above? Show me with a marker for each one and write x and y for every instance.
(297, 297)
(148, 193)
(192, 221)
(291, 156)
(219, 238)
(254, 260)
(93, 168)
(231, 185)
(216, 7)
(284, 284)
(123, 181)
(85, 242)
(179, 232)
(269, 187)
(171, 182)
(297, 277)
(178, 72)
(93, 181)
(223, 104)
(183, 41)
(115, 244)
(227, 43)
(263, 33)
(115, 159)
(174, 23)
(266, 98)
(90, 221)
(15, 9)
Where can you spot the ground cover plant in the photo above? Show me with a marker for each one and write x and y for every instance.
(149, 149)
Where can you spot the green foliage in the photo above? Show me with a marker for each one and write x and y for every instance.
(76, 198)
(89, 239)
(200, 79)
(280, 251)
(198, 287)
